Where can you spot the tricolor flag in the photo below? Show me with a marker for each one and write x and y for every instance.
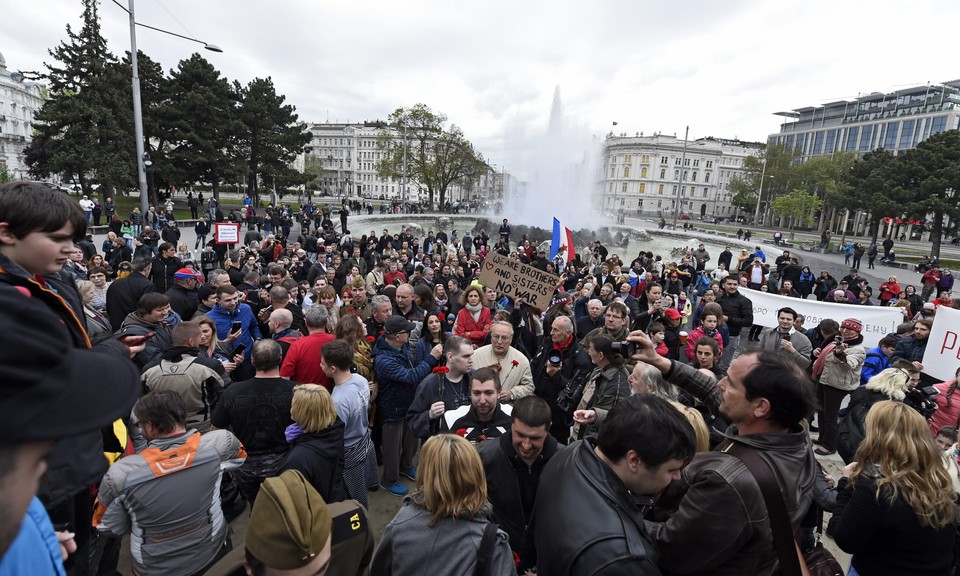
(562, 238)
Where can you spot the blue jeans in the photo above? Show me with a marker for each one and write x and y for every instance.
(852, 571)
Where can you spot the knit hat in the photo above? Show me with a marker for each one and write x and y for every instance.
(561, 297)
(852, 324)
(187, 273)
(290, 523)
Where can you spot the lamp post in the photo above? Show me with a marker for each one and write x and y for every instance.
(763, 172)
(683, 161)
(137, 109)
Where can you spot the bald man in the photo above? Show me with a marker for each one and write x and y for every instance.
(280, 323)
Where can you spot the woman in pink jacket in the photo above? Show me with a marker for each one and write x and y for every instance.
(474, 319)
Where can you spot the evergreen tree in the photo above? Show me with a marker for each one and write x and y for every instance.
(271, 136)
(82, 125)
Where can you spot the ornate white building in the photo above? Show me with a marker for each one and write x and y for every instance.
(19, 101)
(649, 174)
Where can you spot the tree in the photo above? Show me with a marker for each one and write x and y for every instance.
(826, 178)
(201, 123)
(774, 168)
(271, 136)
(797, 205)
(4, 174)
(433, 157)
(931, 183)
(82, 124)
(871, 187)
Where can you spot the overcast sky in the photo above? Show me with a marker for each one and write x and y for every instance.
(721, 67)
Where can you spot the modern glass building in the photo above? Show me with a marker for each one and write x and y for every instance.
(895, 121)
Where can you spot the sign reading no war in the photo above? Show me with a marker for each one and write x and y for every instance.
(517, 280)
(878, 321)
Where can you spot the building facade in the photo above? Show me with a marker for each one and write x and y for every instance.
(894, 121)
(19, 101)
(649, 175)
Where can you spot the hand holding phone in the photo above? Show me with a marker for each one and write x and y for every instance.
(236, 326)
(239, 349)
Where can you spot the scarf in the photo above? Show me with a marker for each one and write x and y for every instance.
(564, 345)
(474, 311)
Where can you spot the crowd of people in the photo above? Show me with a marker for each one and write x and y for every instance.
(627, 428)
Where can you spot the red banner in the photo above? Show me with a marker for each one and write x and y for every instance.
(888, 220)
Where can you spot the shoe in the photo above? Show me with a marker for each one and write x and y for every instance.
(397, 489)
(815, 441)
(410, 474)
(821, 451)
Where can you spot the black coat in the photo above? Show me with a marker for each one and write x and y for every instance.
(319, 457)
(739, 311)
(184, 302)
(576, 365)
(123, 295)
(505, 470)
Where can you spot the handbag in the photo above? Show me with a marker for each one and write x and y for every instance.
(817, 561)
(488, 543)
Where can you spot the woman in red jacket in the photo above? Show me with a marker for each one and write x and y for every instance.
(889, 290)
(474, 319)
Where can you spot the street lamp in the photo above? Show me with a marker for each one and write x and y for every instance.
(683, 166)
(756, 214)
(137, 108)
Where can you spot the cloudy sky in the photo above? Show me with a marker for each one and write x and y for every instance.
(721, 67)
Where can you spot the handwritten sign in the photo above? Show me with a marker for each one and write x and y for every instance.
(226, 233)
(942, 355)
(517, 280)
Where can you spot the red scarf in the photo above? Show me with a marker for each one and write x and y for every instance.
(562, 347)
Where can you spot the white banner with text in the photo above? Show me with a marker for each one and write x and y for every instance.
(942, 355)
(878, 321)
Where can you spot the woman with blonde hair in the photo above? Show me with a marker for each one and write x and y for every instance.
(96, 323)
(211, 347)
(896, 509)
(889, 384)
(316, 441)
(439, 529)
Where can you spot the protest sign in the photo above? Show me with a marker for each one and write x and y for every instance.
(517, 280)
(942, 356)
(226, 233)
(878, 321)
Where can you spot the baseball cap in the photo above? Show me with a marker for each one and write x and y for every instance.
(397, 324)
(187, 273)
(46, 388)
(289, 523)
(672, 313)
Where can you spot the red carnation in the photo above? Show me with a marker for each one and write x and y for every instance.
(515, 363)
(462, 432)
(371, 339)
(442, 316)
(441, 370)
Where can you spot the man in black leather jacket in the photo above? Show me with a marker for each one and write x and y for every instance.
(588, 520)
(549, 379)
(513, 465)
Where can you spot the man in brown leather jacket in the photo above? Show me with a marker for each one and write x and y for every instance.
(714, 519)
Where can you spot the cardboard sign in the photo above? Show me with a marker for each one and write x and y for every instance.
(942, 354)
(878, 321)
(517, 280)
(226, 233)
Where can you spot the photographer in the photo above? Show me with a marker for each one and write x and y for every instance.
(837, 372)
(560, 365)
(603, 389)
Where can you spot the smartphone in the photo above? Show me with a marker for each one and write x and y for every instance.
(236, 326)
(239, 349)
(138, 340)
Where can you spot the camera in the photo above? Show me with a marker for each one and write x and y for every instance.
(625, 348)
(570, 396)
(554, 360)
(922, 400)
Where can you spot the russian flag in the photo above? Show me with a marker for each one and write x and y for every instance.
(562, 238)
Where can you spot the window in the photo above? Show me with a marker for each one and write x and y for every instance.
(664, 160)
(660, 189)
(866, 138)
(663, 173)
(686, 161)
(852, 134)
(893, 128)
(709, 163)
(626, 171)
(706, 177)
(831, 142)
(676, 174)
(628, 159)
(817, 143)
(624, 188)
(696, 163)
(643, 187)
(906, 134)
(676, 161)
(686, 174)
(939, 125)
(645, 159)
(613, 171)
(643, 172)
(694, 179)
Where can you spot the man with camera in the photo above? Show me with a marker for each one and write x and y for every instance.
(558, 367)
(785, 337)
(714, 519)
